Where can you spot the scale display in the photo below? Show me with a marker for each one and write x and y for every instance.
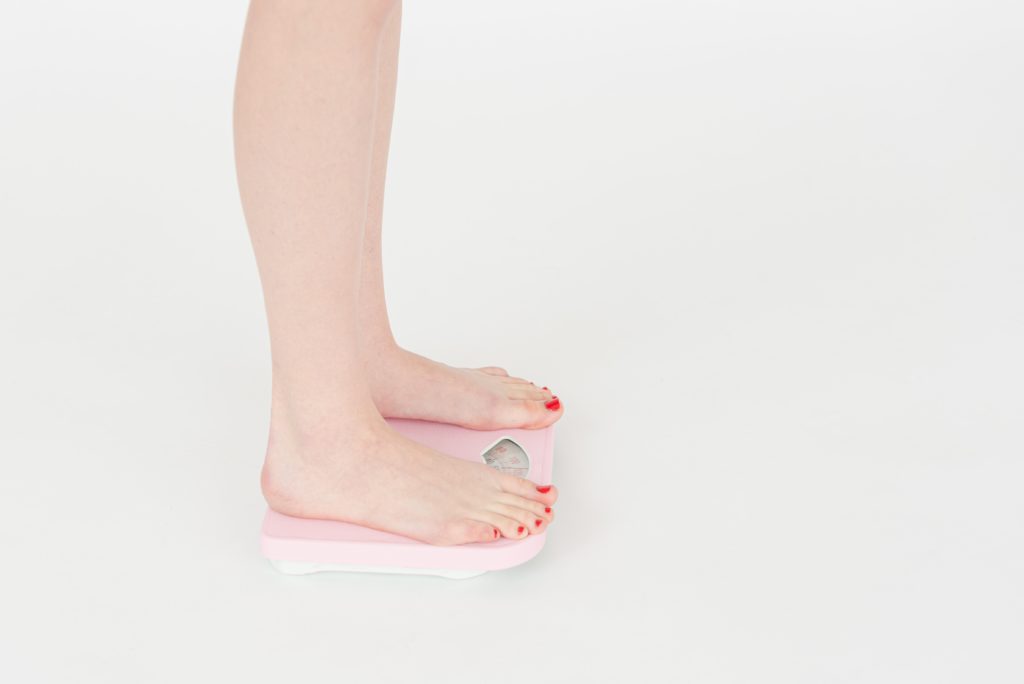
(508, 457)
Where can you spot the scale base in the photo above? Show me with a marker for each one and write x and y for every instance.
(301, 568)
(300, 546)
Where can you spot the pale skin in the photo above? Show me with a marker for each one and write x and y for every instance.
(313, 109)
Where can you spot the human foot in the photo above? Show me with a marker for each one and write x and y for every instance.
(372, 476)
(407, 385)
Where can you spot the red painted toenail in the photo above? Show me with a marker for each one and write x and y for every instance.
(544, 388)
(536, 523)
(545, 489)
(553, 405)
(521, 529)
(495, 534)
(547, 509)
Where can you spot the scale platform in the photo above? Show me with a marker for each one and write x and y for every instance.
(300, 546)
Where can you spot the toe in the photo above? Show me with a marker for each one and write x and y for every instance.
(526, 392)
(546, 494)
(509, 527)
(535, 509)
(541, 522)
(493, 370)
(469, 531)
(554, 404)
(533, 522)
(534, 414)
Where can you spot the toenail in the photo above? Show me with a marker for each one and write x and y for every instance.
(547, 509)
(553, 405)
(544, 388)
(495, 533)
(545, 489)
(521, 529)
(536, 523)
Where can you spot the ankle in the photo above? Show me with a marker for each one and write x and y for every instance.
(377, 346)
(298, 446)
(311, 430)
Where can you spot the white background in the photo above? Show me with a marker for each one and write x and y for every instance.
(770, 255)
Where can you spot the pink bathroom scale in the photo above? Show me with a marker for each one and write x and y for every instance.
(299, 546)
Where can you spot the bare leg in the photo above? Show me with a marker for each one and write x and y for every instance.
(304, 130)
(404, 384)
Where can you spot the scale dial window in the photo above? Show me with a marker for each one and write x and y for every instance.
(508, 456)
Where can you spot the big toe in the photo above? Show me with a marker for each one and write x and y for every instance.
(536, 413)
